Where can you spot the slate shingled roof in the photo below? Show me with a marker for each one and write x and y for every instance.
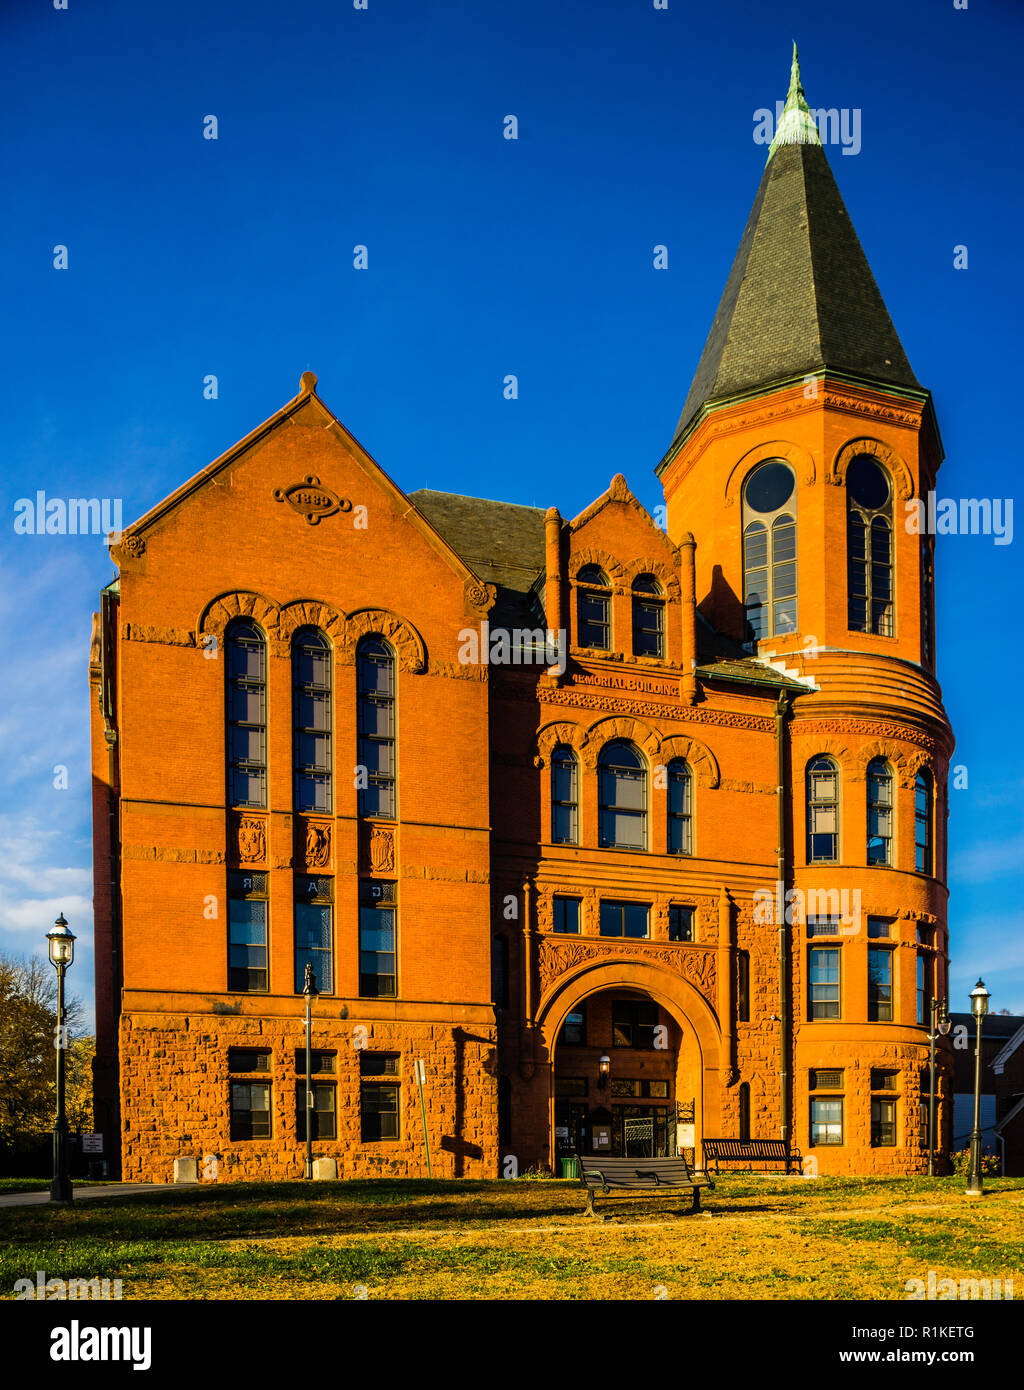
(800, 296)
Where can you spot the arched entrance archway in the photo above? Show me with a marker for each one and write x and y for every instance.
(695, 1035)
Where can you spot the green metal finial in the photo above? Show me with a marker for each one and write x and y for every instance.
(796, 126)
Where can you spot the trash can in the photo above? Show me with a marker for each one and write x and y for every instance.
(570, 1168)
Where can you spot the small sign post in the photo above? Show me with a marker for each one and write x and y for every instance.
(420, 1072)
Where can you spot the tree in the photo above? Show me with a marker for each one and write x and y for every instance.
(28, 1032)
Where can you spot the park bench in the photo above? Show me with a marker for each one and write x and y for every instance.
(749, 1151)
(599, 1172)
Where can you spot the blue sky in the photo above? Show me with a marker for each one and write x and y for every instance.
(383, 127)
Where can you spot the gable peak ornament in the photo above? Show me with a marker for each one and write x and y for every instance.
(312, 500)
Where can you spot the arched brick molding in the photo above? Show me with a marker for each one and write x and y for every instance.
(619, 727)
(590, 556)
(662, 573)
(310, 613)
(380, 622)
(902, 481)
(219, 612)
(697, 754)
(553, 736)
(801, 462)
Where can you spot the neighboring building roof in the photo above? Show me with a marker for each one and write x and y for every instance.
(800, 297)
(1004, 1055)
(1010, 1115)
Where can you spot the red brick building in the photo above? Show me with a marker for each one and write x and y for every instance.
(528, 792)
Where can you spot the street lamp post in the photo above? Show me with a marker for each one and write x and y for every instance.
(979, 1008)
(941, 1024)
(308, 990)
(62, 952)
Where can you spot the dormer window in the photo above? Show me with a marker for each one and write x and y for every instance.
(594, 608)
(648, 617)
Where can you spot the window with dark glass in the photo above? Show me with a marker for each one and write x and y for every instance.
(822, 811)
(246, 673)
(744, 1112)
(573, 1032)
(500, 973)
(879, 984)
(248, 917)
(680, 807)
(625, 919)
(884, 1080)
(375, 677)
(743, 986)
(883, 1122)
(379, 1096)
(823, 981)
(633, 1024)
(321, 1062)
(879, 928)
(638, 1088)
(248, 1059)
(769, 551)
(680, 922)
(923, 823)
(311, 712)
(570, 1086)
(564, 797)
(648, 617)
(593, 611)
(324, 1110)
(927, 585)
(250, 1110)
(314, 932)
(828, 925)
(879, 812)
(622, 797)
(566, 913)
(378, 911)
(826, 1110)
(924, 987)
(869, 548)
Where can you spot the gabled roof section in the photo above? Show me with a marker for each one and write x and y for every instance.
(1000, 1125)
(801, 297)
(619, 491)
(1001, 1058)
(307, 396)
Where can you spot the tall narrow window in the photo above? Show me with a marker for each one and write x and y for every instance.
(648, 617)
(879, 984)
(927, 586)
(822, 811)
(923, 822)
(564, 797)
(924, 986)
(376, 695)
(246, 670)
(593, 608)
(769, 551)
(744, 1112)
(879, 812)
(314, 933)
(680, 922)
(743, 986)
(622, 797)
(680, 807)
(311, 712)
(823, 981)
(869, 562)
(379, 1096)
(248, 910)
(378, 952)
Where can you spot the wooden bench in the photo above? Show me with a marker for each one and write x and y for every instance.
(750, 1151)
(599, 1172)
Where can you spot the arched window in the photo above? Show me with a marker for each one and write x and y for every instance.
(680, 807)
(375, 685)
(923, 822)
(869, 547)
(622, 797)
(744, 1112)
(769, 551)
(879, 812)
(648, 617)
(564, 797)
(311, 713)
(594, 608)
(246, 672)
(822, 811)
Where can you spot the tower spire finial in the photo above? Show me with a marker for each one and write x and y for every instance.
(796, 125)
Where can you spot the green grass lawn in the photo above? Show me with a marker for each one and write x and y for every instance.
(772, 1238)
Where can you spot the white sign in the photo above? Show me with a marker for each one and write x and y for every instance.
(419, 1071)
(92, 1143)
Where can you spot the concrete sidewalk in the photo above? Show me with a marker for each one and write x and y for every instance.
(41, 1195)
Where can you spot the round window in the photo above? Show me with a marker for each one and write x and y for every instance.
(769, 487)
(867, 484)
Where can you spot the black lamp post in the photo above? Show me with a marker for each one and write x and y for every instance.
(309, 989)
(62, 952)
(979, 1008)
(941, 1024)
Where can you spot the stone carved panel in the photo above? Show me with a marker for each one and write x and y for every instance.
(251, 840)
(382, 850)
(318, 844)
(698, 966)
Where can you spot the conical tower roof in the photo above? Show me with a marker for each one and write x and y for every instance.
(800, 297)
